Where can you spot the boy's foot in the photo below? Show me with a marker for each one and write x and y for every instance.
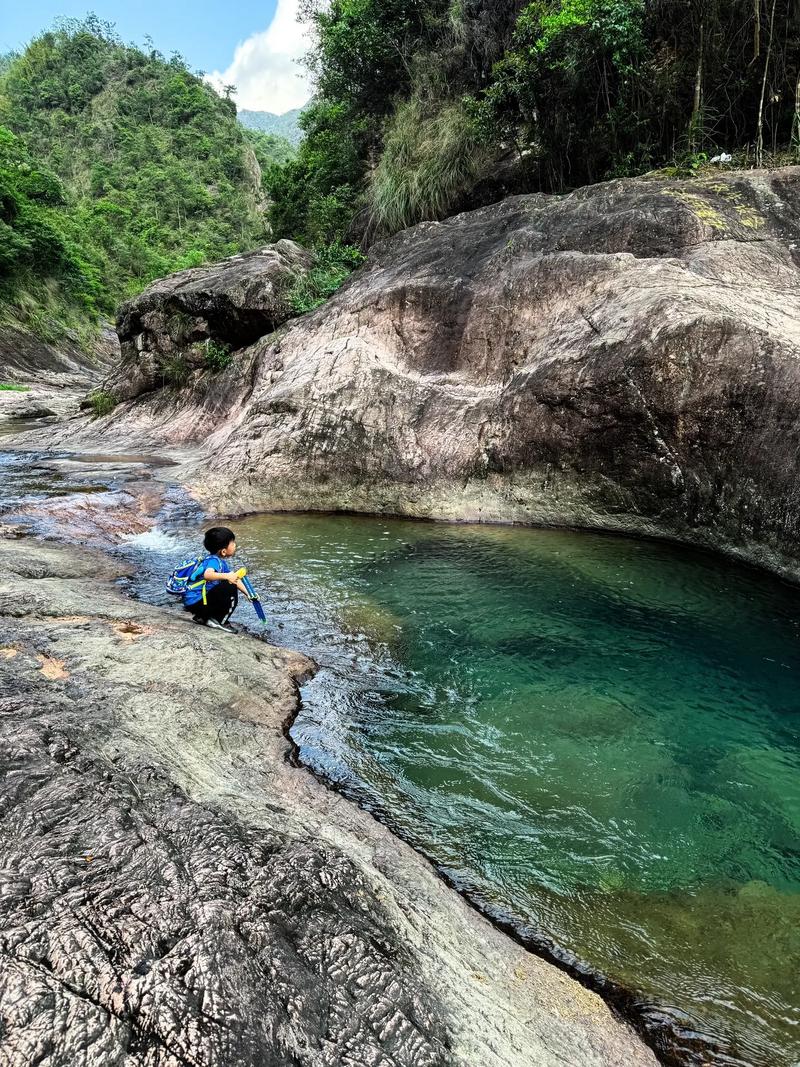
(226, 627)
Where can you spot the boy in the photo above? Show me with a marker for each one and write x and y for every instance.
(212, 591)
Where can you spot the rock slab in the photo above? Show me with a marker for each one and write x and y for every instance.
(55, 380)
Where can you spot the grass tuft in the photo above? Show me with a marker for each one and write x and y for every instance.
(332, 265)
(175, 371)
(432, 156)
(102, 402)
(217, 356)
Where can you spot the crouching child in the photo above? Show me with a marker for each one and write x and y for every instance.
(212, 589)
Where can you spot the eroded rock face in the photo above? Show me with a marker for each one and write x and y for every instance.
(55, 379)
(230, 303)
(174, 892)
(624, 357)
(26, 359)
(627, 356)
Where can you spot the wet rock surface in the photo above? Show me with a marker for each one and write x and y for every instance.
(230, 303)
(175, 892)
(623, 357)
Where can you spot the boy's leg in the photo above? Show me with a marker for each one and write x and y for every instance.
(198, 611)
(221, 602)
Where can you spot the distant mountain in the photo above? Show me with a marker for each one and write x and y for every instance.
(283, 125)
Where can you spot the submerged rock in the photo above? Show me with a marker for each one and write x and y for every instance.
(175, 892)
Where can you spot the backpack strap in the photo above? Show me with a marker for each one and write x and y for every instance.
(199, 583)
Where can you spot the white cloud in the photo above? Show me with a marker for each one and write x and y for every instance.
(266, 68)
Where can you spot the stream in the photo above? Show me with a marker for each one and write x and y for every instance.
(596, 739)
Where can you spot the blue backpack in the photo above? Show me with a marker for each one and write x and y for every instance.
(180, 579)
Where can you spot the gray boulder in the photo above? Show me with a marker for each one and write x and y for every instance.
(624, 357)
(230, 303)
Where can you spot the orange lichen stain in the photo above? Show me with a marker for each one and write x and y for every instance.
(129, 631)
(8, 653)
(69, 618)
(52, 669)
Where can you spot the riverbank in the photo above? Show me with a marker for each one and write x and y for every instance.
(175, 883)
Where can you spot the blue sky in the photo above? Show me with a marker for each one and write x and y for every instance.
(252, 45)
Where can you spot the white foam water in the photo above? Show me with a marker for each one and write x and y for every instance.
(156, 541)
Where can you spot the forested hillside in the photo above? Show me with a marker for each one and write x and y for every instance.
(117, 166)
(424, 107)
(285, 125)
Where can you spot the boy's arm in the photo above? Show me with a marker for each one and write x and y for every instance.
(210, 575)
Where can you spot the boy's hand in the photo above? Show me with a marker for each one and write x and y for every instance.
(241, 587)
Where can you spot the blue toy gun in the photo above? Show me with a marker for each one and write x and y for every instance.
(254, 597)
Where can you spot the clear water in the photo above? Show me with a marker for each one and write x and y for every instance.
(596, 738)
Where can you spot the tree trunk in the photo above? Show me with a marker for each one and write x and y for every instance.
(757, 29)
(760, 133)
(795, 139)
(697, 103)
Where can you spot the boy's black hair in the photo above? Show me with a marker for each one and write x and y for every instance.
(217, 538)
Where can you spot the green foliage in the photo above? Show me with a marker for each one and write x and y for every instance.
(332, 265)
(429, 162)
(315, 195)
(269, 148)
(570, 89)
(11, 387)
(364, 49)
(689, 165)
(175, 370)
(216, 356)
(102, 402)
(424, 107)
(135, 168)
(44, 271)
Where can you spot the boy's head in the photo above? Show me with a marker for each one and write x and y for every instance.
(220, 541)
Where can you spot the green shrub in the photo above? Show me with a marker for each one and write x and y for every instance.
(691, 164)
(102, 402)
(217, 356)
(332, 265)
(175, 370)
(12, 387)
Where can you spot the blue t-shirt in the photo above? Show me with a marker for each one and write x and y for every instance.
(216, 563)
